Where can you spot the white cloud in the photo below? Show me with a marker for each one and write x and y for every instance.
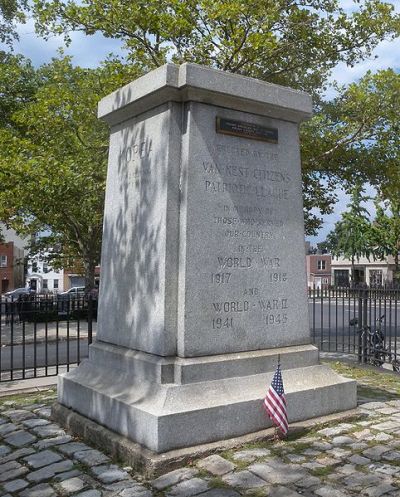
(87, 51)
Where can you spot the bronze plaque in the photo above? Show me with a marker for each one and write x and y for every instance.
(246, 130)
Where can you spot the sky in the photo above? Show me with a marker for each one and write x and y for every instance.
(88, 51)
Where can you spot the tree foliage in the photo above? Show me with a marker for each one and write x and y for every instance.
(53, 155)
(385, 230)
(289, 42)
(351, 236)
(11, 11)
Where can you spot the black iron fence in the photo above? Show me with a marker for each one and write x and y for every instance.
(43, 336)
(361, 321)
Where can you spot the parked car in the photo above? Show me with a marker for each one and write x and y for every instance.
(73, 293)
(15, 294)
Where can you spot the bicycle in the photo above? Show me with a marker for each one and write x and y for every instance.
(374, 348)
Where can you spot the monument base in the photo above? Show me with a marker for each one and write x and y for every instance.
(170, 403)
(149, 463)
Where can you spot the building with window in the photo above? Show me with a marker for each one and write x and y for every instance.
(371, 272)
(42, 278)
(12, 258)
(318, 270)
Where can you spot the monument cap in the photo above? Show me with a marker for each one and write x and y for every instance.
(191, 82)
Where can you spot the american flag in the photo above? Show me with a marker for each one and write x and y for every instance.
(275, 402)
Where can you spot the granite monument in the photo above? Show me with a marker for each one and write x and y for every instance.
(203, 264)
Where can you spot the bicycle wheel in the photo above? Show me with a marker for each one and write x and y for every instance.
(396, 365)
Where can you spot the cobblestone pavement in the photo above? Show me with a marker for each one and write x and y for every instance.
(359, 457)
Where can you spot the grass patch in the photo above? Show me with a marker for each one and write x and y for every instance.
(321, 472)
(217, 482)
(257, 492)
(27, 399)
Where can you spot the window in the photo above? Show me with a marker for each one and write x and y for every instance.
(55, 284)
(325, 281)
(321, 264)
(45, 267)
(3, 261)
(375, 277)
(34, 267)
(45, 284)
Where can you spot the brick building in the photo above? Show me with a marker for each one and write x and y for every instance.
(318, 270)
(11, 267)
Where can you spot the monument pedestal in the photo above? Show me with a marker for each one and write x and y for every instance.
(170, 403)
(203, 265)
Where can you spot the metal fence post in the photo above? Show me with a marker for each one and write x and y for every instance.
(360, 327)
(365, 324)
(90, 319)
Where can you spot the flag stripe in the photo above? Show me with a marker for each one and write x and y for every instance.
(275, 402)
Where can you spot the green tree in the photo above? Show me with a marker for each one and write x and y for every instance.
(385, 231)
(11, 11)
(351, 237)
(53, 156)
(289, 42)
(355, 136)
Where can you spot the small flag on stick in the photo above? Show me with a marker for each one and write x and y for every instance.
(275, 402)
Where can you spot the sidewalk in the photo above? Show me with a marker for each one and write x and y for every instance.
(356, 457)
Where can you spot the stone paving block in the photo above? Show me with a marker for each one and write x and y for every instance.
(14, 485)
(49, 471)
(277, 472)
(4, 450)
(17, 415)
(42, 490)
(387, 426)
(336, 430)
(311, 452)
(250, 455)
(16, 454)
(9, 465)
(280, 491)
(89, 493)
(360, 480)
(34, 422)
(327, 491)
(296, 458)
(374, 405)
(20, 438)
(220, 492)
(342, 440)
(322, 445)
(392, 456)
(379, 490)
(188, 488)
(173, 477)
(72, 485)
(43, 412)
(7, 428)
(51, 442)
(138, 491)
(51, 430)
(244, 480)
(70, 448)
(376, 452)
(388, 410)
(383, 437)
(91, 457)
(67, 474)
(13, 473)
(216, 465)
(359, 460)
(109, 474)
(44, 458)
(308, 481)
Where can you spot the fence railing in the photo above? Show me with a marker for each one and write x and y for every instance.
(361, 321)
(43, 336)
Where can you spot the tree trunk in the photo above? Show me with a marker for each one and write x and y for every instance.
(352, 272)
(396, 267)
(89, 266)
